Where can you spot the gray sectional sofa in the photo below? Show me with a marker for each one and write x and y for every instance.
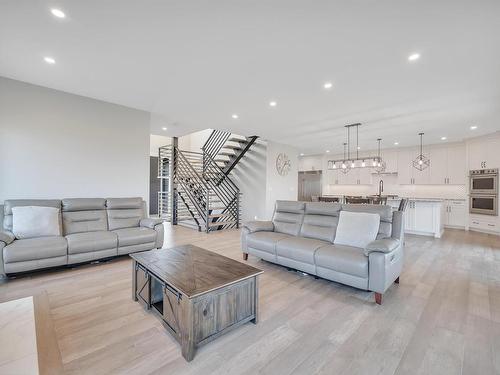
(301, 236)
(91, 228)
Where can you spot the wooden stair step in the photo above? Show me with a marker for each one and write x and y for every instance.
(218, 223)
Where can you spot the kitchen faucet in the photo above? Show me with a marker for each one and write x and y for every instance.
(380, 187)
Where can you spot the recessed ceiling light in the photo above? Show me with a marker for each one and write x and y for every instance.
(327, 85)
(473, 127)
(164, 128)
(414, 57)
(301, 154)
(58, 13)
(327, 151)
(49, 60)
(359, 147)
(273, 103)
(396, 143)
(235, 116)
(443, 138)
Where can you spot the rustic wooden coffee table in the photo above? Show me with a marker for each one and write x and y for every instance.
(199, 295)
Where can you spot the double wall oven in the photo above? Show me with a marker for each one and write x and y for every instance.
(483, 191)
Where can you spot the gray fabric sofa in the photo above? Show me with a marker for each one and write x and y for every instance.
(301, 236)
(91, 228)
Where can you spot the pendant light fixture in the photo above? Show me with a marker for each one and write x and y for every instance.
(345, 163)
(348, 163)
(421, 162)
(381, 165)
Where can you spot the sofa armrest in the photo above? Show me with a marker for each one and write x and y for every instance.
(384, 245)
(7, 237)
(259, 226)
(150, 222)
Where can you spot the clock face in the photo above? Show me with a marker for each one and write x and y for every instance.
(283, 164)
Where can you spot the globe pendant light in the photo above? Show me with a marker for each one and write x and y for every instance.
(421, 162)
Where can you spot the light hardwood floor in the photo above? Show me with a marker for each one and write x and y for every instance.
(443, 318)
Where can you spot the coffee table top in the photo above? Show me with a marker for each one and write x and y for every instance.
(193, 270)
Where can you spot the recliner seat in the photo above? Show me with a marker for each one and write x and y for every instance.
(91, 229)
(301, 236)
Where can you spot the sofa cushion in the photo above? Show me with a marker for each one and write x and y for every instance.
(91, 241)
(320, 220)
(35, 221)
(357, 228)
(135, 236)
(299, 249)
(288, 217)
(84, 221)
(83, 204)
(34, 249)
(265, 241)
(124, 212)
(341, 258)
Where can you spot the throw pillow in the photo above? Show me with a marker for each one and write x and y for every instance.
(357, 228)
(35, 221)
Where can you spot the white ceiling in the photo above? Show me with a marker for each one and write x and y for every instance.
(194, 63)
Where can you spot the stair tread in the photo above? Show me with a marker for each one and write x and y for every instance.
(235, 139)
(217, 223)
(232, 147)
(226, 153)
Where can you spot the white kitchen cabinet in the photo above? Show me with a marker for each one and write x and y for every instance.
(484, 223)
(439, 166)
(407, 174)
(455, 213)
(424, 217)
(391, 161)
(447, 166)
(456, 169)
(484, 153)
(364, 176)
(404, 158)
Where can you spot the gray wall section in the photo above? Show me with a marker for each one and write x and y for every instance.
(59, 145)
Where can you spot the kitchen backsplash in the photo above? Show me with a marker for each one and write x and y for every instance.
(391, 187)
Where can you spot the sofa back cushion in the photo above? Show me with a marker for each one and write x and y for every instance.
(288, 216)
(124, 212)
(84, 215)
(384, 211)
(357, 229)
(10, 203)
(320, 220)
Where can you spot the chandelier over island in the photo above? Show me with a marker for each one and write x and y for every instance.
(349, 162)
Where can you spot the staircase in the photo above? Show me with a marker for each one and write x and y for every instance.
(204, 196)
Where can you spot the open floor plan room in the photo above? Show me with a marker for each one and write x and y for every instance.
(443, 317)
(268, 187)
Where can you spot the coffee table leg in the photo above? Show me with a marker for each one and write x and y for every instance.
(256, 300)
(188, 345)
(134, 282)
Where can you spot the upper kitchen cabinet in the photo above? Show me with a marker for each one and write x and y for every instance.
(391, 161)
(484, 153)
(448, 165)
(457, 173)
(407, 174)
(310, 163)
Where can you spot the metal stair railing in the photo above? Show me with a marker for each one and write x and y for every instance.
(193, 185)
(214, 143)
(226, 191)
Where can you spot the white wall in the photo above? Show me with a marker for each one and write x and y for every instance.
(58, 145)
(280, 187)
(157, 141)
(194, 141)
(250, 176)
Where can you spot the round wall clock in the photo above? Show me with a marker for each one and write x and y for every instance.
(283, 164)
